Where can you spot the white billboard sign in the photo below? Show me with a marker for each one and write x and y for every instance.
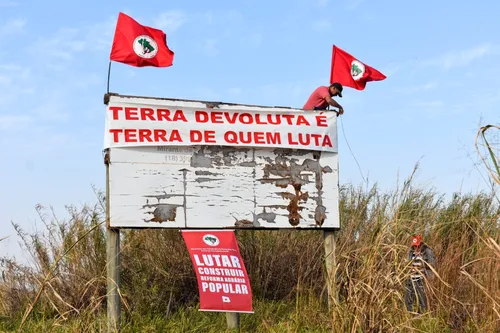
(153, 122)
(218, 184)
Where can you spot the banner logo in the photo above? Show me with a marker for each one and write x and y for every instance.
(211, 240)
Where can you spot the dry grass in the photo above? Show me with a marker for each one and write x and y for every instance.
(159, 289)
(487, 151)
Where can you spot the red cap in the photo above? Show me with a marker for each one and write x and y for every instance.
(416, 240)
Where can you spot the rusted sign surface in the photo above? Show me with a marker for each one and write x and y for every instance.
(222, 187)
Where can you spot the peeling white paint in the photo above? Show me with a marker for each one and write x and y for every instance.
(227, 189)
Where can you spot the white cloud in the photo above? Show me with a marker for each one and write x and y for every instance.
(253, 39)
(428, 103)
(207, 94)
(14, 93)
(429, 86)
(12, 68)
(4, 80)
(353, 4)
(445, 61)
(209, 17)
(170, 21)
(14, 82)
(9, 3)
(230, 27)
(292, 94)
(86, 80)
(393, 67)
(52, 108)
(322, 3)
(47, 141)
(209, 46)
(62, 44)
(418, 88)
(235, 91)
(14, 122)
(461, 58)
(322, 25)
(233, 16)
(66, 42)
(99, 35)
(455, 84)
(13, 26)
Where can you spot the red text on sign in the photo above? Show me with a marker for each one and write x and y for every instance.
(247, 118)
(260, 138)
(145, 135)
(217, 260)
(321, 121)
(225, 288)
(220, 271)
(307, 139)
(133, 113)
(199, 136)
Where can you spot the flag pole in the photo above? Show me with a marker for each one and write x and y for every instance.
(109, 72)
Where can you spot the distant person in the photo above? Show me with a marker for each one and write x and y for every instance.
(321, 98)
(421, 257)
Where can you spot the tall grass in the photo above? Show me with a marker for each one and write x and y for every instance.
(159, 290)
(488, 152)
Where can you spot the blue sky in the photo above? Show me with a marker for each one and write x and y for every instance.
(440, 59)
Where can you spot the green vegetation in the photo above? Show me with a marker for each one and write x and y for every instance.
(159, 291)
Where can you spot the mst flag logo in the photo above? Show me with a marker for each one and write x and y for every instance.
(138, 45)
(145, 47)
(211, 240)
(357, 70)
(350, 72)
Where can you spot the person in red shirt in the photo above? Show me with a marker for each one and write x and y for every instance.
(322, 97)
(423, 261)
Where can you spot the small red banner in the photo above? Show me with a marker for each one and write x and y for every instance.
(222, 278)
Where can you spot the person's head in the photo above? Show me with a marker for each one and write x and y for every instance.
(336, 89)
(416, 240)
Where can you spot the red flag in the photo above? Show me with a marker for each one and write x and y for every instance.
(222, 278)
(351, 72)
(140, 46)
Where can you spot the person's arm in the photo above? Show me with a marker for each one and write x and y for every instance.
(430, 261)
(430, 257)
(333, 103)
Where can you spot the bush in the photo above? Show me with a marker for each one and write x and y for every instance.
(285, 267)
